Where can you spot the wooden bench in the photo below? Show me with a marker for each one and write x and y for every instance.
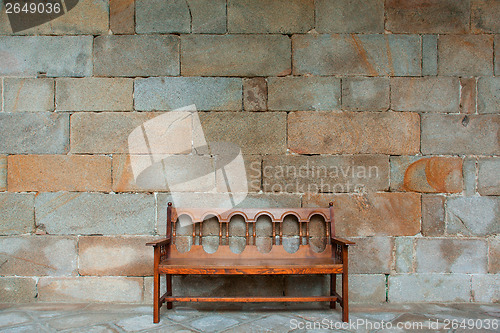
(333, 260)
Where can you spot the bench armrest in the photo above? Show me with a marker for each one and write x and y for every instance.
(159, 242)
(342, 241)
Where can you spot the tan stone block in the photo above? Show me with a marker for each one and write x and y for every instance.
(52, 173)
(465, 55)
(28, 94)
(341, 16)
(434, 16)
(488, 176)
(94, 94)
(484, 16)
(38, 256)
(372, 214)
(426, 174)
(87, 289)
(494, 255)
(433, 215)
(468, 95)
(122, 256)
(255, 94)
(17, 214)
(121, 16)
(354, 133)
(17, 289)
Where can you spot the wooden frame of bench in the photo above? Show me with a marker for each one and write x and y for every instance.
(332, 261)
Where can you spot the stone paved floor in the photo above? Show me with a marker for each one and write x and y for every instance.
(247, 318)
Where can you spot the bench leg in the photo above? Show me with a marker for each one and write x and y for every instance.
(345, 298)
(156, 298)
(333, 289)
(169, 290)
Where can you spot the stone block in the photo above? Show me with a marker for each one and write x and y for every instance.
(17, 213)
(433, 215)
(90, 17)
(349, 16)
(86, 289)
(208, 16)
(17, 289)
(489, 176)
(486, 288)
(28, 95)
(418, 288)
(303, 93)
(255, 94)
(365, 94)
(353, 133)
(270, 16)
(235, 55)
(162, 16)
(375, 214)
(459, 134)
(34, 133)
(121, 16)
(426, 174)
(365, 288)
(468, 95)
(3, 173)
(95, 213)
(469, 171)
(497, 54)
(253, 175)
(170, 93)
(303, 174)
(38, 256)
(426, 94)
(444, 255)
(108, 132)
(473, 216)
(136, 55)
(435, 16)
(371, 54)
(94, 94)
(52, 55)
(255, 133)
(52, 173)
(488, 95)
(429, 55)
(484, 16)
(405, 254)
(494, 255)
(465, 55)
(122, 256)
(371, 255)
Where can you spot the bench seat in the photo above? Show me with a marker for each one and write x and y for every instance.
(250, 266)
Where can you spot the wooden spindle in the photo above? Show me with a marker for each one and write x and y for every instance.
(327, 226)
(300, 234)
(274, 232)
(227, 233)
(174, 227)
(194, 233)
(307, 233)
(246, 234)
(281, 232)
(255, 233)
(220, 233)
(200, 234)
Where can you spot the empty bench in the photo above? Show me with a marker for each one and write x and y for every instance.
(169, 261)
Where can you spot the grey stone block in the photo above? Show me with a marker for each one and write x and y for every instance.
(442, 255)
(484, 16)
(473, 216)
(417, 288)
(429, 55)
(95, 213)
(270, 16)
(405, 254)
(459, 134)
(136, 55)
(488, 95)
(429, 94)
(208, 16)
(486, 288)
(371, 255)
(469, 172)
(340, 16)
(235, 55)
(465, 55)
(303, 93)
(17, 213)
(53, 55)
(34, 133)
(497, 54)
(94, 94)
(170, 93)
(17, 289)
(38, 256)
(365, 288)
(365, 94)
(255, 94)
(162, 16)
(28, 95)
(489, 176)
(494, 255)
(3, 173)
(371, 55)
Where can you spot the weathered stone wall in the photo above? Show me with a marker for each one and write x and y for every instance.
(410, 90)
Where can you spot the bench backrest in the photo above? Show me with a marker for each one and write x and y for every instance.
(250, 216)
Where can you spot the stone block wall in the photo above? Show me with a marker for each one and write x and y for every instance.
(391, 109)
